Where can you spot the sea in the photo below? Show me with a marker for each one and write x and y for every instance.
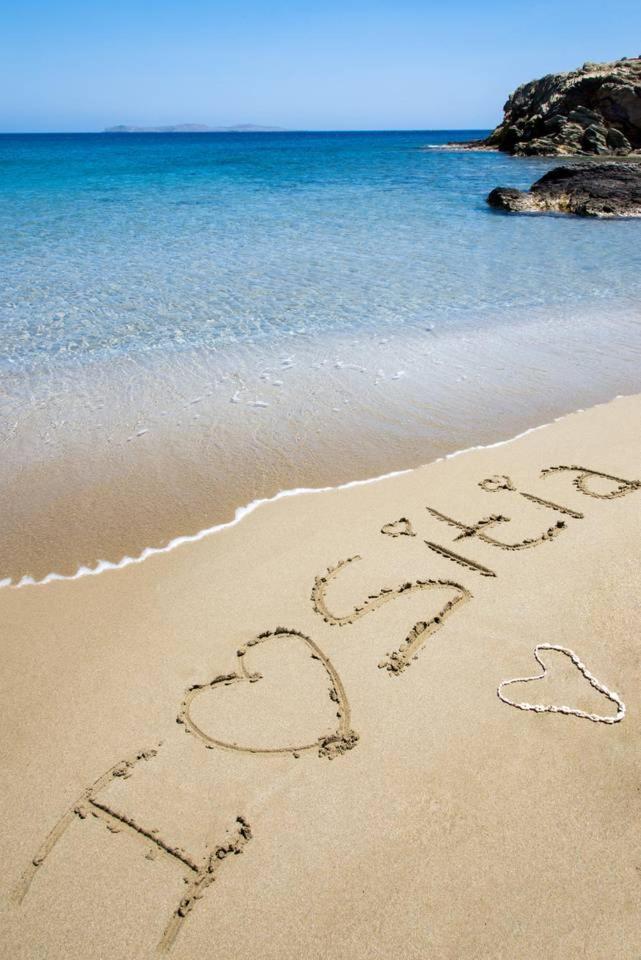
(189, 322)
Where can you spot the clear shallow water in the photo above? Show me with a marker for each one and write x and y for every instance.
(132, 242)
(192, 322)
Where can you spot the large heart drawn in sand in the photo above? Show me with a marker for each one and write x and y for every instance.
(337, 742)
(560, 708)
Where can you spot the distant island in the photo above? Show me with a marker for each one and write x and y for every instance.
(194, 128)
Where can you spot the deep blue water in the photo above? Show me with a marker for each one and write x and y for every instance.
(123, 243)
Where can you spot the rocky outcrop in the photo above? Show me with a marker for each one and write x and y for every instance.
(587, 189)
(593, 110)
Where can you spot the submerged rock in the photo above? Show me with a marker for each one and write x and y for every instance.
(595, 110)
(586, 189)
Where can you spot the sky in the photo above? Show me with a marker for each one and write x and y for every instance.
(67, 65)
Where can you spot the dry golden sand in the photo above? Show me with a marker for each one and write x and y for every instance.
(455, 827)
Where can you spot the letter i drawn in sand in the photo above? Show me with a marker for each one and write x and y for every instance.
(404, 528)
(501, 482)
(197, 874)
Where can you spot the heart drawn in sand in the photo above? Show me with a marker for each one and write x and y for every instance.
(327, 745)
(553, 708)
(398, 528)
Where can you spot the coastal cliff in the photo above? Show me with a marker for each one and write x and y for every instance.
(595, 110)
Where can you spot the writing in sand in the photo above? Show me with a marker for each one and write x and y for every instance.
(200, 872)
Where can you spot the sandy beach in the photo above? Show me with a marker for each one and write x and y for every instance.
(296, 737)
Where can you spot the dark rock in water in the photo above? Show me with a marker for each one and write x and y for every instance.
(586, 189)
(594, 110)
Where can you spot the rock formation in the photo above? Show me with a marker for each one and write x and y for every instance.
(588, 189)
(593, 110)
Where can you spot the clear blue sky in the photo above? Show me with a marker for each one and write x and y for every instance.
(327, 64)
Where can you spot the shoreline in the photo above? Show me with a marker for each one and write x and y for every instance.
(105, 464)
(342, 678)
(245, 510)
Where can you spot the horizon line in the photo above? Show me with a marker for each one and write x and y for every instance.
(244, 133)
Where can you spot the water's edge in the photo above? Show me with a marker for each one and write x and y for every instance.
(241, 512)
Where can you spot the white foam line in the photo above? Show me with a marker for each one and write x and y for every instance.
(241, 512)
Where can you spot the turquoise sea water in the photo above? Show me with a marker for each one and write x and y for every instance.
(132, 242)
(190, 322)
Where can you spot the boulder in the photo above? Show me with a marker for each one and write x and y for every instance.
(586, 189)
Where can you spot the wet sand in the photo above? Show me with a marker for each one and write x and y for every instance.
(102, 460)
(343, 779)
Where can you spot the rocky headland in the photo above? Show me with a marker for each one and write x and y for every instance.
(586, 189)
(595, 110)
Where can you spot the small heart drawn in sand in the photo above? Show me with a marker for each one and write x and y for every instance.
(497, 482)
(560, 708)
(398, 528)
(328, 745)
